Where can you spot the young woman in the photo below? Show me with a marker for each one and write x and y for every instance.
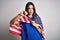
(32, 30)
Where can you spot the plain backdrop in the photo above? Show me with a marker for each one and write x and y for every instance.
(48, 10)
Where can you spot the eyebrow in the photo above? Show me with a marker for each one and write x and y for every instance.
(29, 8)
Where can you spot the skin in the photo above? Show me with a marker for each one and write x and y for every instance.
(14, 20)
(30, 10)
(30, 13)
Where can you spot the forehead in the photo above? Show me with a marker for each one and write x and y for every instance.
(30, 6)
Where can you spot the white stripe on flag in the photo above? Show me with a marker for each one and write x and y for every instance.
(28, 21)
(22, 19)
(18, 19)
(15, 30)
(16, 26)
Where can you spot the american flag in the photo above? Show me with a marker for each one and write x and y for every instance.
(15, 28)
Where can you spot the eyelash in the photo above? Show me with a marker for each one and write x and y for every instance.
(29, 8)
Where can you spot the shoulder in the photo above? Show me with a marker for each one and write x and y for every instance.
(37, 16)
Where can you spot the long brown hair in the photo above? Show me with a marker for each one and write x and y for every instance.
(34, 12)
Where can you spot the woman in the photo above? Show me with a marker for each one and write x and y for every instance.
(32, 30)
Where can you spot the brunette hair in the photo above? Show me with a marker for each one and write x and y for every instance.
(34, 10)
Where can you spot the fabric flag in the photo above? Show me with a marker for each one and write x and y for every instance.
(15, 28)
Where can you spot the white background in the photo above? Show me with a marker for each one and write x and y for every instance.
(48, 10)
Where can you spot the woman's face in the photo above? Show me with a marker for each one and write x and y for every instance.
(30, 10)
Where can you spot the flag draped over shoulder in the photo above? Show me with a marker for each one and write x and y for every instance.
(15, 28)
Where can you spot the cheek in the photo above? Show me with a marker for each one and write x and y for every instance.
(30, 10)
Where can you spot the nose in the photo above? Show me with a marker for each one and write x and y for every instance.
(31, 10)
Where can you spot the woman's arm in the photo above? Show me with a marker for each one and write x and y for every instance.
(14, 20)
(38, 28)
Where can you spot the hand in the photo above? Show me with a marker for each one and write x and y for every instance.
(36, 26)
(33, 23)
(43, 35)
(22, 13)
(25, 12)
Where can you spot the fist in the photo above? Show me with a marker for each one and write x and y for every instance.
(23, 13)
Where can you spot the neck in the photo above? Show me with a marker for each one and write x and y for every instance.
(30, 15)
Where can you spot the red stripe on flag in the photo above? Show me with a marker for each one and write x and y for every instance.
(18, 25)
(25, 19)
(18, 34)
(29, 19)
(15, 27)
(20, 19)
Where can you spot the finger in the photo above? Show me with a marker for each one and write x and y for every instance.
(21, 13)
(25, 13)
